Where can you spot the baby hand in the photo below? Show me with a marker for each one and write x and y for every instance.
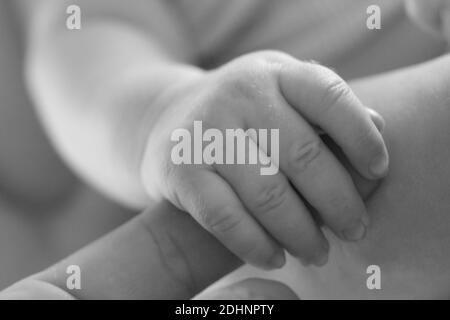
(255, 215)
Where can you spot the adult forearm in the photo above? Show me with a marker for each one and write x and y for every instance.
(409, 235)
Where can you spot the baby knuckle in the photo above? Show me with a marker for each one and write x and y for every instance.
(302, 155)
(335, 90)
(222, 220)
(270, 197)
(252, 77)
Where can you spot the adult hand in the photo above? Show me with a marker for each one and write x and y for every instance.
(160, 254)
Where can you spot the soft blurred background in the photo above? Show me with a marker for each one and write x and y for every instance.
(45, 211)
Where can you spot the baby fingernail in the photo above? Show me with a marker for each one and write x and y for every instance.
(377, 119)
(278, 260)
(379, 165)
(355, 232)
(321, 259)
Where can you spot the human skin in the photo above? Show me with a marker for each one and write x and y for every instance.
(409, 235)
(162, 253)
(114, 118)
(57, 203)
(410, 231)
(369, 104)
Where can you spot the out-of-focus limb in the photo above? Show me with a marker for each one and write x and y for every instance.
(95, 88)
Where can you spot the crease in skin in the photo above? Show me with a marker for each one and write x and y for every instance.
(305, 154)
(172, 257)
(365, 187)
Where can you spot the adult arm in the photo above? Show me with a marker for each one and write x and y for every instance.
(410, 232)
(160, 254)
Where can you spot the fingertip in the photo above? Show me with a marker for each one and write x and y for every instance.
(278, 260)
(356, 227)
(379, 165)
(321, 258)
(354, 232)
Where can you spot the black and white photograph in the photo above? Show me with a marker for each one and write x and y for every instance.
(224, 150)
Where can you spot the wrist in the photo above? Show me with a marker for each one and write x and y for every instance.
(124, 110)
(151, 102)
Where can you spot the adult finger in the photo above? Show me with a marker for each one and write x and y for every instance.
(161, 254)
